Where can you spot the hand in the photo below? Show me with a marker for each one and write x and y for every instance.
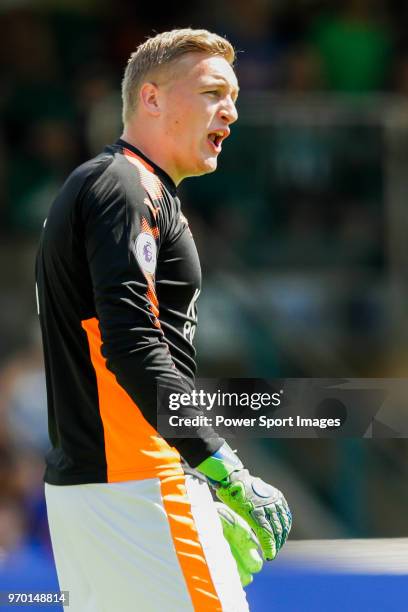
(262, 506)
(242, 542)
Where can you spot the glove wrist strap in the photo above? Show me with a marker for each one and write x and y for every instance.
(220, 465)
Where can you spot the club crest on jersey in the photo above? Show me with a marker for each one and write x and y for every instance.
(146, 252)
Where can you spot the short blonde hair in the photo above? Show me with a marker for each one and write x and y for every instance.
(161, 50)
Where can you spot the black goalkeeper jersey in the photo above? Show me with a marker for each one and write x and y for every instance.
(118, 276)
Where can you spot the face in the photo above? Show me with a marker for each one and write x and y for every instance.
(198, 106)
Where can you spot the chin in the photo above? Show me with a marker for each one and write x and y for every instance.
(209, 165)
(204, 166)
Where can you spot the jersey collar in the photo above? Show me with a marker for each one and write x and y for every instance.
(167, 180)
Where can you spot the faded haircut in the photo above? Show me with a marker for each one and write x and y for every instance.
(161, 50)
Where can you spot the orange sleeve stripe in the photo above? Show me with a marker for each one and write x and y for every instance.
(151, 291)
(188, 546)
(133, 448)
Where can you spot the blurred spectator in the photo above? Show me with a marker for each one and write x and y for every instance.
(355, 45)
(250, 27)
(22, 495)
(25, 566)
(28, 476)
(400, 74)
(99, 107)
(8, 467)
(23, 391)
(12, 526)
(23, 443)
(37, 171)
(302, 70)
(33, 79)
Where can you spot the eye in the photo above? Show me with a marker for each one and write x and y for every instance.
(214, 92)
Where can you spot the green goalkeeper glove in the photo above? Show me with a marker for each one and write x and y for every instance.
(242, 542)
(262, 506)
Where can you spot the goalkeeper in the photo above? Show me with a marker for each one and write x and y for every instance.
(118, 278)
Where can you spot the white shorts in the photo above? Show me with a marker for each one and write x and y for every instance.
(149, 545)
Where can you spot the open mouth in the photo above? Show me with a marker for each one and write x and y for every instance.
(215, 139)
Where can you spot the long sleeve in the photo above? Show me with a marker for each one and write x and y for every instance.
(123, 238)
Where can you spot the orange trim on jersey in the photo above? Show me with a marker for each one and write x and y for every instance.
(145, 226)
(154, 210)
(148, 178)
(151, 287)
(188, 546)
(133, 448)
(154, 302)
(130, 153)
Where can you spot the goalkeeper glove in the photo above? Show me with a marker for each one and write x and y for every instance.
(262, 506)
(242, 542)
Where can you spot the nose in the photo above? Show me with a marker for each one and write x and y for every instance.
(229, 112)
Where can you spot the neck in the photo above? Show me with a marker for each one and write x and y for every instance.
(148, 146)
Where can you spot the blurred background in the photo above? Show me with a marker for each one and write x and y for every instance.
(302, 231)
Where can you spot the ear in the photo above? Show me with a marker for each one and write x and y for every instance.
(149, 98)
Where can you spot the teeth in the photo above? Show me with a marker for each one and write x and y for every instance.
(214, 135)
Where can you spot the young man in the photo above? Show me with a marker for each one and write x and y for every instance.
(118, 277)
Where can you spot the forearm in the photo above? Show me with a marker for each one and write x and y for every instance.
(158, 371)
